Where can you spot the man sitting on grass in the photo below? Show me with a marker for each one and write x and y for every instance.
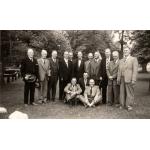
(73, 91)
(92, 95)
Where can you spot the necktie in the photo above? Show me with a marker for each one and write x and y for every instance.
(125, 59)
(54, 60)
(44, 61)
(31, 59)
(107, 63)
(91, 91)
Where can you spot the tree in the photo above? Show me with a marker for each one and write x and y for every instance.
(90, 40)
(123, 38)
(142, 46)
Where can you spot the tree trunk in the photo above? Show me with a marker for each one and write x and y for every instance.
(122, 43)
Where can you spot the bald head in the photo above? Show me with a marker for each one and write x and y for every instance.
(107, 52)
(54, 54)
(30, 53)
(91, 82)
(90, 56)
(70, 55)
(43, 53)
(126, 51)
(79, 55)
(66, 54)
(115, 55)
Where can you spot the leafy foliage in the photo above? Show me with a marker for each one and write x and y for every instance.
(142, 45)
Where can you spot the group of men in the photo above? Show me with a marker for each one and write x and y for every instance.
(107, 80)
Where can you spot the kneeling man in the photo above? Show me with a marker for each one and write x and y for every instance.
(92, 95)
(72, 90)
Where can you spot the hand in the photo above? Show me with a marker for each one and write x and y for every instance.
(118, 82)
(110, 77)
(26, 77)
(100, 78)
(133, 82)
(61, 79)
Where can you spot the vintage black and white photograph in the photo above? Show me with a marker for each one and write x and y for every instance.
(75, 74)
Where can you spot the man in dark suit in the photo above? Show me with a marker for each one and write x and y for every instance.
(54, 72)
(78, 66)
(113, 88)
(84, 81)
(94, 68)
(103, 74)
(29, 67)
(65, 74)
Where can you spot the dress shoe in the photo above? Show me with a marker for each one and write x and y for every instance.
(109, 104)
(34, 104)
(129, 108)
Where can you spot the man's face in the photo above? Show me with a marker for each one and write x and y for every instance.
(126, 52)
(73, 81)
(66, 55)
(71, 56)
(79, 55)
(85, 75)
(44, 55)
(107, 53)
(96, 55)
(91, 83)
(115, 56)
(30, 53)
(54, 55)
(90, 56)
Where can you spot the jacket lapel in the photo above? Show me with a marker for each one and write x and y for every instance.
(44, 66)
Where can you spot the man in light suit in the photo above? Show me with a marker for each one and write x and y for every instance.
(94, 68)
(73, 91)
(92, 95)
(52, 82)
(127, 73)
(44, 72)
(86, 64)
(113, 87)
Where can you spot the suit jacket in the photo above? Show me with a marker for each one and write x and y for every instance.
(112, 71)
(54, 66)
(82, 84)
(86, 66)
(43, 69)
(103, 72)
(29, 67)
(78, 71)
(95, 91)
(64, 71)
(70, 88)
(128, 69)
(94, 69)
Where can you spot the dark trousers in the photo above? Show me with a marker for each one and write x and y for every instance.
(29, 88)
(103, 86)
(62, 85)
(52, 83)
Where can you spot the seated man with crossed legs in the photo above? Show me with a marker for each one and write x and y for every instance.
(92, 95)
(73, 91)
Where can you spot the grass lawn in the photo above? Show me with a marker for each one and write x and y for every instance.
(11, 97)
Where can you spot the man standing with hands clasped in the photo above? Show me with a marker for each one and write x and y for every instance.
(44, 70)
(113, 87)
(29, 72)
(127, 73)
